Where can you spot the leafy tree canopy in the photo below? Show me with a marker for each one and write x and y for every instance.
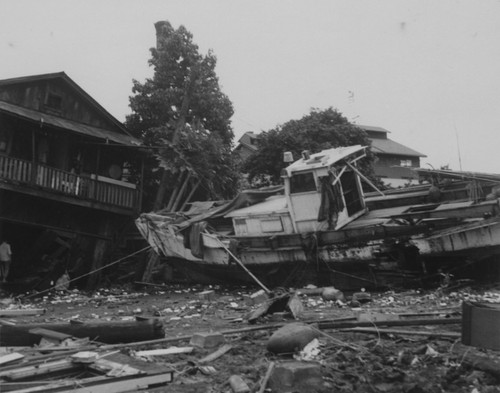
(319, 130)
(183, 110)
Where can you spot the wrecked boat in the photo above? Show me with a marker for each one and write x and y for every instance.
(317, 228)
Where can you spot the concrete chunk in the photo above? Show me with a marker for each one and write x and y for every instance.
(207, 340)
(297, 377)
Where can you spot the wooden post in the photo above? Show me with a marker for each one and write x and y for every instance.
(1, 212)
(138, 204)
(191, 193)
(97, 172)
(100, 249)
(153, 259)
(177, 186)
(162, 190)
(181, 192)
(34, 168)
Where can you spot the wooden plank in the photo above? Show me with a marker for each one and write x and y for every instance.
(165, 351)
(264, 382)
(11, 357)
(217, 354)
(488, 361)
(7, 322)
(106, 332)
(407, 322)
(48, 386)
(128, 385)
(50, 334)
(115, 369)
(22, 312)
(453, 335)
(41, 369)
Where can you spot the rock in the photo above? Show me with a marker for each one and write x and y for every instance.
(207, 340)
(331, 293)
(296, 377)
(291, 338)
(354, 304)
(238, 385)
(362, 297)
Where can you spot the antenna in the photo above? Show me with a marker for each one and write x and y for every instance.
(458, 148)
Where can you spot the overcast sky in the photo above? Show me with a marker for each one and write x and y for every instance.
(427, 71)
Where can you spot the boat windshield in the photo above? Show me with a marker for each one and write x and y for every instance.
(302, 182)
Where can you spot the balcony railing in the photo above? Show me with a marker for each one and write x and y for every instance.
(94, 188)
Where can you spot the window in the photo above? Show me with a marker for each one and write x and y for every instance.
(271, 225)
(302, 182)
(240, 225)
(54, 101)
(405, 163)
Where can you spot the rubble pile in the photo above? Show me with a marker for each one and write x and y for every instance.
(310, 339)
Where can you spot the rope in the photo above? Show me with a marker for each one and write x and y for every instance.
(86, 274)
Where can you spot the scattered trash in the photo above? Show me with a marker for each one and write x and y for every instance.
(406, 338)
(309, 352)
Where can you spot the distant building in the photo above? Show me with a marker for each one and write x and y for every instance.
(394, 160)
(247, 145)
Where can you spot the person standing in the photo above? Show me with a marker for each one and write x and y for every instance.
(5, 259)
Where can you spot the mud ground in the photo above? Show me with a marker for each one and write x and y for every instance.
(349, 362)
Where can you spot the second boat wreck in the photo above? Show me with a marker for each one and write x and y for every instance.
(317, 228)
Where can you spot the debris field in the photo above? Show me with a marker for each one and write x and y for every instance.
(181, 338)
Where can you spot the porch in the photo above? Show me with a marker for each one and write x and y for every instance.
(90, 188)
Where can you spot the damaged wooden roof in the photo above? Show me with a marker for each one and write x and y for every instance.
(59, 122)
(55, 99)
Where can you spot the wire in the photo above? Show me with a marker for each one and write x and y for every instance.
(87, 274)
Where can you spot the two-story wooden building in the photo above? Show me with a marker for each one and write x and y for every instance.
(394, 161)
(247, 145)
(65, 188)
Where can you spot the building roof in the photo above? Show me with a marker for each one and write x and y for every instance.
(59, 122)
(388, 146)
(245, 141)
(372, 128)
(82, 93)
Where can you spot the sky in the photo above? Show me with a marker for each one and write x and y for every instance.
(427, 71)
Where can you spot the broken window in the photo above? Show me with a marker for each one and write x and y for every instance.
(302, 182)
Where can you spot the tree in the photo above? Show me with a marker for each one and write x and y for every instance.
(316, 131)
(182, 111)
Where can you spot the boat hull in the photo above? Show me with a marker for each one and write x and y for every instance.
(286, 274)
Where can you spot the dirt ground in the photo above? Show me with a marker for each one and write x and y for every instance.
(349, 361)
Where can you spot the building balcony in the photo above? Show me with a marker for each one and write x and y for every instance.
(86, 190)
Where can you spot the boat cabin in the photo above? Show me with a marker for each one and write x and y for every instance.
(322, 192)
